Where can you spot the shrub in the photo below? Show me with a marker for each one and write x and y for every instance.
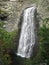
(6, 43)
(44, 42)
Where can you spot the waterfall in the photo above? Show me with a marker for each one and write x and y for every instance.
(27, 36)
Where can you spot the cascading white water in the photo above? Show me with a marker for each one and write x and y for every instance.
(27, 37)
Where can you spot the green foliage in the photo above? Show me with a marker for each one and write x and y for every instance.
(1, 24)
(6, 42)
(34, 1)
(6, 59)
(44, 42)
(46, 20)
(2, 11)
(48, 8)
(7, 38)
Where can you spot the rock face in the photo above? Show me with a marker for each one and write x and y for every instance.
(43, 9)
(29, 29)
(14, 10)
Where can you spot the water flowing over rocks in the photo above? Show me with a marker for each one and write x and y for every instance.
(28, 37)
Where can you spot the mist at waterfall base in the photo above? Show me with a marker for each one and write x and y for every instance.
(28, 35)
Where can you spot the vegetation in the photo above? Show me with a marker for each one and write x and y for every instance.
(6, 43)
(44, 42)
